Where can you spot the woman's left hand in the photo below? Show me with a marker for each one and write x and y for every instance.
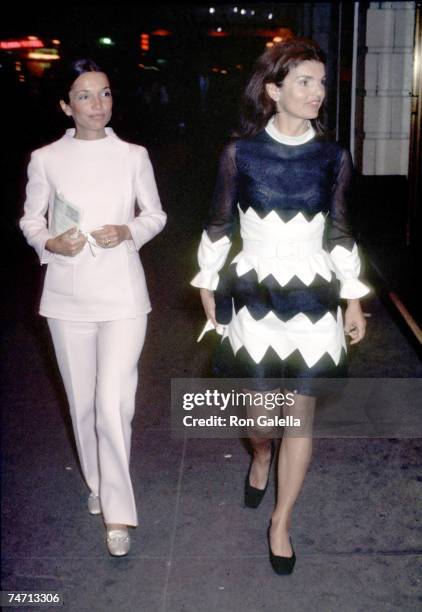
(354, 324)
(110, 236)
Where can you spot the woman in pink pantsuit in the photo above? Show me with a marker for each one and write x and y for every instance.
(95, 296)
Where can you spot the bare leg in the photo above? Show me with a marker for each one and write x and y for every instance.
(261, 462)
(294, 458)
(260, 439)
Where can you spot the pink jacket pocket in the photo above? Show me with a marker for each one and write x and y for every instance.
(60, 276)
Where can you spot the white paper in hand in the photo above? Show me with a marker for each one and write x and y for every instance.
(65, 215)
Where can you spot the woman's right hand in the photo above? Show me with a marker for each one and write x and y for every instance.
(208, 302)
(69, 243)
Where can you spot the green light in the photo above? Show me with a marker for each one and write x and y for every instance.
(105, 40)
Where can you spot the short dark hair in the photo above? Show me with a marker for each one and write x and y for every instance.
(70, 71)
(272, 67)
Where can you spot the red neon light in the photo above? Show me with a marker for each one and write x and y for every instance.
(144, 42)
(161, 32)
(21, 44)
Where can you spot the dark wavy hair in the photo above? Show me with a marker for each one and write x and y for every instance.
(69, 72)
(272, 67)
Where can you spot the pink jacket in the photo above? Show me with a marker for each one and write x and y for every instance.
(104, 178)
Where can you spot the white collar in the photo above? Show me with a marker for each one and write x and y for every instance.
(289, 140)
(70, 133)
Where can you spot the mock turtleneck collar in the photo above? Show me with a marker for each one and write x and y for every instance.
(70, 133)
(289, 140)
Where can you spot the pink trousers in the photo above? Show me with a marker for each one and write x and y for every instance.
(99, 367)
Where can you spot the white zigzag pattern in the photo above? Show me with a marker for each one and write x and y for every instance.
(283, 271)
(274, 224)
(271, 229)
(311, 339)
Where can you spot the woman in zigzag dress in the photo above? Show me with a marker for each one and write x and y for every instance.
(277, 305)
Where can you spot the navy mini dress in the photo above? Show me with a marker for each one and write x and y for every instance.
(278, 301)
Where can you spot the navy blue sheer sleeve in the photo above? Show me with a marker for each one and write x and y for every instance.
(217, 235)
(339, 240)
